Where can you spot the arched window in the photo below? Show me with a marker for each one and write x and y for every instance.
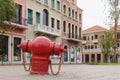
(72, 13)
(72, 31)
(69, 30)
(69, 12)
(45, 17)
(65, 55)
(72, 54)
(80, 32)
(75, 15)
(79, 56)
(79, 17)
(64, 9)
(64, 26)
(76, 35)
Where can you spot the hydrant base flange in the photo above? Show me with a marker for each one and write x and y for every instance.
(39, 66)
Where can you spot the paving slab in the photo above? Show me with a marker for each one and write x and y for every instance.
(68, 72)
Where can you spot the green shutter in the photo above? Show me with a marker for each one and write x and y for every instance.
(45, 1)
(30, 13)
(52, 3)
(37, 18)
(58, 5)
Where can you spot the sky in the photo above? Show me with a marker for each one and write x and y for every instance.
(94, 13)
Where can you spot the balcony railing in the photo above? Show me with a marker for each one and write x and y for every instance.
(39, 1)
(21, 21)
(74, 37)
(95, 40)
(84, 42)
(92, 50)
(47, 29)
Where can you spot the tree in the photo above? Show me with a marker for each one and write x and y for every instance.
(106, 43)
(114, 12)
(7, 14)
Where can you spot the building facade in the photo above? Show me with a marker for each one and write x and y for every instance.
(59, 20)
(9, 52)
(91, 46)
(71, 31)
(44, 19)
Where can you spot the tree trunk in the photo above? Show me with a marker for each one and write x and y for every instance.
(108, 59)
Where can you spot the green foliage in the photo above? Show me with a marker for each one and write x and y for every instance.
(107, 44)
(92, 63)
(7, 12)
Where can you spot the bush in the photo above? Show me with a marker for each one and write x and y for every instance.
(93, 63)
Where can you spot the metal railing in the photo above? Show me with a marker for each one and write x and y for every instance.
(74, 36)
(21, 21)
(47, 29)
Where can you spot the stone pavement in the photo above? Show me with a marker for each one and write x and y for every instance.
(68, 72)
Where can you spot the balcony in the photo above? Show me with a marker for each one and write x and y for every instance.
(84, 42)
(39, 1)
(47, 30)
(95, 40)
(74, 37)
(92, 50)
(17, 22)
(20, 21)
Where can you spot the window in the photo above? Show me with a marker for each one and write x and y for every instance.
(64, 26)
(17, 51)
(88, 37)
(37, 17)
(72, 13)
(52, 3)
(64, 9)
(80, 32)
(91, 46)
(95, 47)
(30, 16)
(75, 15)
(45, 17)
(84, 38)
(96, 37)
(85, 47)
(92, 37)
(103, 36)
(18, 14)
(65, 54)
(72, 54)
(69, 30)
(88, 47)
(58, 24)
(118, 45)
(45, 1)
(76, 36)
(52, 22)
(58, 5)
(80, 17)
(4, 46)
(72, 31)
(69, 12)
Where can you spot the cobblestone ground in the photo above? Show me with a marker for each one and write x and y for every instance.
(68, 72)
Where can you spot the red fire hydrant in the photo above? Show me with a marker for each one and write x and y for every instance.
(41, 48)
